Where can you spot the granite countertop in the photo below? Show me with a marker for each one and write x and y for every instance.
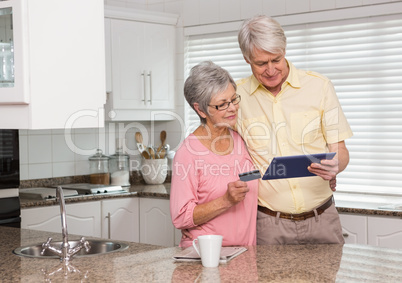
(368, 204)
(148, 263)
(345, 202)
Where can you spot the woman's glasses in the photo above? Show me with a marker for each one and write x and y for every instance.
(226, 105)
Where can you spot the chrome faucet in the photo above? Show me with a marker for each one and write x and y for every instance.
(65, 252)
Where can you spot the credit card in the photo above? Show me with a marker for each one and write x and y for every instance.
(249, 176)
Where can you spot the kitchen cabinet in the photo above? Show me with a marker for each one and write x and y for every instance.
(156, 225)
(83, 219)
(144, 220)
(116, 219)
(120, 219)
(379, 231)
(385, 232)
(59, 65)
(354, 228)
(140, 66)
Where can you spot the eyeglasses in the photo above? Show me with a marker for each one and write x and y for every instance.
(225, 105)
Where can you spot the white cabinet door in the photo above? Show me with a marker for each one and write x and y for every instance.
(155, 223)
(60, 67)
(128, 64)
(354, 228)
(159, 65)
(120, 219)
(142, 64)
(83, 219)
(385, 232)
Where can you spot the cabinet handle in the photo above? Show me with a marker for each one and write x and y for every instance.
(144, 90)
(109, 222)
(150, 87)
(345, 235)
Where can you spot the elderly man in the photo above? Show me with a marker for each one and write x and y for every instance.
(286, 111)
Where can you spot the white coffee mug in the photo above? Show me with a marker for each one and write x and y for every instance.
(209, 249)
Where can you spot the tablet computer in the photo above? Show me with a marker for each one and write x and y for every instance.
(294, 166)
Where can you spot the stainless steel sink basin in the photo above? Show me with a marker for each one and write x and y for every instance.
(97, 247)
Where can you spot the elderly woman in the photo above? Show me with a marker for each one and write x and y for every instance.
(206, 195)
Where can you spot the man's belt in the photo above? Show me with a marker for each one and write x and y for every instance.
(297, 217)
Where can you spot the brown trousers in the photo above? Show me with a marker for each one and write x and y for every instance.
(321, 229)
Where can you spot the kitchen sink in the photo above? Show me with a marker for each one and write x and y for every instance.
(98, 247)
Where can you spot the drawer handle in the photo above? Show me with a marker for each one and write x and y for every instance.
(144, 90)
(108, 225)
(345, 235)
(150, 87)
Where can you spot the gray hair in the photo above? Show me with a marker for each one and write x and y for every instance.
(263, 33)
(204, 82)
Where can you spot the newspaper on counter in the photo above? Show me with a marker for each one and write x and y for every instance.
(227, 253)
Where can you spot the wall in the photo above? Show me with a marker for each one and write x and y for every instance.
(199, 12)
(51, 153)
(45, 154)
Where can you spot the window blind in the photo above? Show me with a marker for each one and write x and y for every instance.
(220, 48)
(363, 58)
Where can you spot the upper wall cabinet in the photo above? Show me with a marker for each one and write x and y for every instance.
(52, 64)
(141, 75)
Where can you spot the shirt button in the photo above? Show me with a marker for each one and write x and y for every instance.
(275, 101)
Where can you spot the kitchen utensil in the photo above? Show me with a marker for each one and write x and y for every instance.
(166, 147)
(163, 139)
(162, 153)
(157, 154)
(151, 151)
(145, 154)
(138, 139)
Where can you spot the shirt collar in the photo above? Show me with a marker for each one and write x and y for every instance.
(292, 79)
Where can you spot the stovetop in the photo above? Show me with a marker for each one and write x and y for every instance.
(70, 190)
(88, 189)
(43, 193)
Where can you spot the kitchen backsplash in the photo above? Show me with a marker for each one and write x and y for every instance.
(52, 154)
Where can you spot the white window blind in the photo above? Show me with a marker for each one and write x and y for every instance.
(222, 49)
(363, 58)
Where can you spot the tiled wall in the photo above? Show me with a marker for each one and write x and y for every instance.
(45, 153)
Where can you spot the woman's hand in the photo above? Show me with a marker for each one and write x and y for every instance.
(236, 192)
(186, 234)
